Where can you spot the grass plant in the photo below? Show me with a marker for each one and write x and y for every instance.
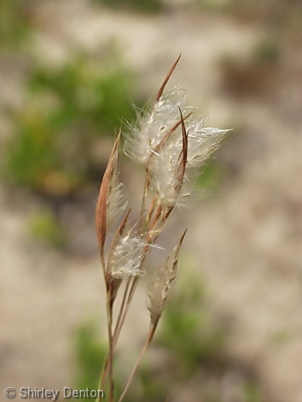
(172, 145)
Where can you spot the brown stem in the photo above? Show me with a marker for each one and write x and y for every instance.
(126, 309)
(139, 359)
(116, 332)
(108, 366)
(121, 318)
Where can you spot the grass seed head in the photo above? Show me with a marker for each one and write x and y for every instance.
(160, 285)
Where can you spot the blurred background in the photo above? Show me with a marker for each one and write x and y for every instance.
(71, 72)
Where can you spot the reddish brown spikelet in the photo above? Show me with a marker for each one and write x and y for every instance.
(160, 285)
(170, 132)
(162, 87)
(101, 207)
(184, 146)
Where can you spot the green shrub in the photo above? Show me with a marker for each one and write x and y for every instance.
(60, 128)
(145, 6)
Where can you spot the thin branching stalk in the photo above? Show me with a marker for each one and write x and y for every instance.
(128, 296)
(123, 308)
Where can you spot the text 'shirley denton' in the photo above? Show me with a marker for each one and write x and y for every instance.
(42, 393)
(68, 393)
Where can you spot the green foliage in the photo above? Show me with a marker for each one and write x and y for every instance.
(251, 392)
(90, 355)
(59, 129)
(44, 227)
(211, 175)
(155, 389)
(218, 6)
(14, 24)
(198, 339)
(267, 51)
(145, 6)
(86, 94)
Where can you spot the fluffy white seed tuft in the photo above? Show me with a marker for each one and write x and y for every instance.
(127, 257)
(152, 126)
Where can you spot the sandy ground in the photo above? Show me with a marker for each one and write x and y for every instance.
(245, 239)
